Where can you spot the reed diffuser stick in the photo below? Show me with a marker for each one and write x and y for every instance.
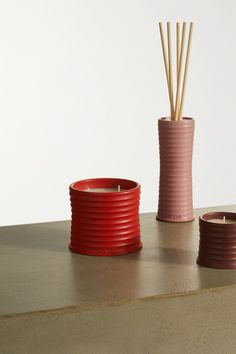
(165, 61)
(164, 52)
(170, 69)
(177, 49)
(185, 71)
(176, 106)
(179, 72)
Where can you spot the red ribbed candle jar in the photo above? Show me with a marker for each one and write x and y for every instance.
(105, 216)
(175, 184)
(217, 246)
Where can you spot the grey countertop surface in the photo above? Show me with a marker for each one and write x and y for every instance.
(39, 273)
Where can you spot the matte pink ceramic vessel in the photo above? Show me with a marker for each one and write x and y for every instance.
(175, 185)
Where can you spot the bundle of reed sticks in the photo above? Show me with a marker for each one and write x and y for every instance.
(177, 103)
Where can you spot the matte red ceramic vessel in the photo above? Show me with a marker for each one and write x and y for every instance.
(217, 246)
(175, 184)
(105, 223)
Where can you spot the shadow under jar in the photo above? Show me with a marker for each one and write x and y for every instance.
(175, 183)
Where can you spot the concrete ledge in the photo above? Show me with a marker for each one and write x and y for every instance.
(157, 300)
(189, 323)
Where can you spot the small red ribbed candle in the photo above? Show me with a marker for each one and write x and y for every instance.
(105, 216)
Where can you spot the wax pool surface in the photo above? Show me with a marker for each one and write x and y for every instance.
(221, 221)
(103, 190)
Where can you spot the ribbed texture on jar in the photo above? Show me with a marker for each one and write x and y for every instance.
(217, 245)
(175, 182)
(105, 224)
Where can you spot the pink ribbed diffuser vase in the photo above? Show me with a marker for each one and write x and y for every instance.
(175, 185)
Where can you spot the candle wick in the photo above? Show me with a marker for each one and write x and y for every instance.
(224, 219)
(118, 188)
(88, 189)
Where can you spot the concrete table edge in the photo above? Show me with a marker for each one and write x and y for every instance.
(93, 306)
(100, 305)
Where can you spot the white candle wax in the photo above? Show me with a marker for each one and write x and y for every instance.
(222, 221)
(104, 190)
